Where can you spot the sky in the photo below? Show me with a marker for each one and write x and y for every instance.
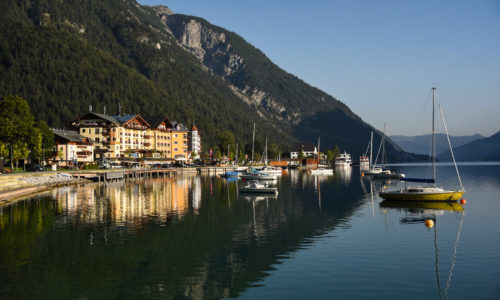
(381, 58)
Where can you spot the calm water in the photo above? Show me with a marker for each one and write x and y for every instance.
(195, 237)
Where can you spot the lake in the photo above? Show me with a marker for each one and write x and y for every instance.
(196, 237)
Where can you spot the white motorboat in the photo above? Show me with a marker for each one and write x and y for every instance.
(387, 174)
(272, 170)
(322, 171)
(258, 176)
(343, 160)
(364, 161)
(257, 187)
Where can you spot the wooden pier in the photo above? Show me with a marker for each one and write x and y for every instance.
(115, 175)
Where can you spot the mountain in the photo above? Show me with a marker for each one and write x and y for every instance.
(63, 56)
(421, 144)
(485, 149)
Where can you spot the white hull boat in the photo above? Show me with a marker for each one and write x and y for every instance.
(258, 176)
(258, 188)
(322, 171)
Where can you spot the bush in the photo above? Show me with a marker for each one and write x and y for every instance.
(91, 167)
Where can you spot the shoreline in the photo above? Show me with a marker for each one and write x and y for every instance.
(19, 185)
(11, 195)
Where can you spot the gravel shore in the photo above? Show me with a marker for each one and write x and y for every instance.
(48, 179)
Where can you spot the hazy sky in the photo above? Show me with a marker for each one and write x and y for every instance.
(381, 58)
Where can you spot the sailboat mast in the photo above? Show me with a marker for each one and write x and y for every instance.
(371, 151)
(253, 140)
(383, 147)
(318, 149)
(433, 136)
(265, 159)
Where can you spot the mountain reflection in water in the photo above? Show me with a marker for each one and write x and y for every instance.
(321, 237)
(187, 236)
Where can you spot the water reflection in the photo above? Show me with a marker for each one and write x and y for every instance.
(128, 203)
(429, 214)
(184, 236)
(196, 237)
(343, 174)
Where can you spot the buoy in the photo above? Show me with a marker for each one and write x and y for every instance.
(362, 174)
(463, 201)
(429, 223)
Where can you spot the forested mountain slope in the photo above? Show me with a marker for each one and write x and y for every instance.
(63, 56)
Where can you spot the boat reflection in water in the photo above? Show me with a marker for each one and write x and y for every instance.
(343, 174)
(428, 213)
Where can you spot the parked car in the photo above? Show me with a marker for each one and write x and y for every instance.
(34, 168)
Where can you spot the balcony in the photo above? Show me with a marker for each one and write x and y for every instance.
(83, 153)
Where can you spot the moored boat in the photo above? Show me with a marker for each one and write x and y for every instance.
(428, 193)
(343, 160)
(231, 174)
(364, 161)
(387, 174)
(258, 176)
(259, 188)
(272, 170)
(322, 171)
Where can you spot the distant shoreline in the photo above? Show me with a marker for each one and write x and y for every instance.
(444, 164)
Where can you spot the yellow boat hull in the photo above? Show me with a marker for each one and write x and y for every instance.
(435, 205)
(405, 196)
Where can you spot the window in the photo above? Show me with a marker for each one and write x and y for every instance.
(185, 135)
(114, 139)
(175, 134)
(114, 129)
(175, 142)
(97, 140)
(97, 131)
(175, 149)
(83, 130)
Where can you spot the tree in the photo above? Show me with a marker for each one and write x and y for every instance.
(16, 123)
(274, 151)
(35, 144)
(47, 142)
(329, 155)
(226, 138)
(20, 151)
(336, 151)
(4, 150)
(302, 155)
(193, 155)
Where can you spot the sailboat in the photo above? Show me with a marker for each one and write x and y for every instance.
(321, 170)
(371, 168)
(432, 192)
(385, 173)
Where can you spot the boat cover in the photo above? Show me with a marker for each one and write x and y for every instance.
(427, 180)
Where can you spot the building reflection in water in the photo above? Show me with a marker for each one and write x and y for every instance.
(129, 203)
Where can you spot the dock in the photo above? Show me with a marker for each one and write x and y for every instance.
(126, 174)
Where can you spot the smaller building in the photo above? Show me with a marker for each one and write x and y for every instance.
(72, 149)
(194, 142)
(308, 149)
